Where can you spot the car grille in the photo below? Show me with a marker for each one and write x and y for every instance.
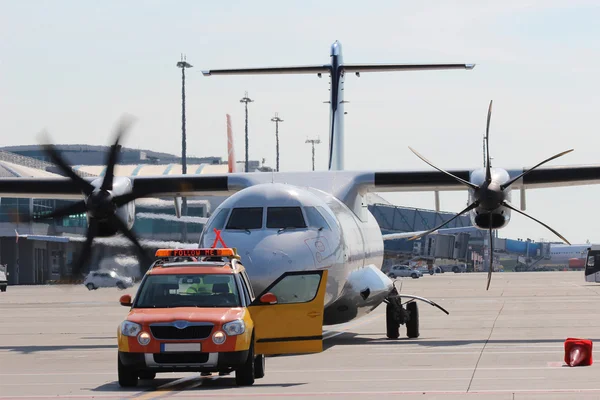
(180, 358)
(190, 332)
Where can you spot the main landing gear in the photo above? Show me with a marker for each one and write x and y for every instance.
(396, 314)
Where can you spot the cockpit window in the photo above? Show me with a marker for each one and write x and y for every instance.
(315, 219)
(219, 221)
(285, 217)
(245, 218)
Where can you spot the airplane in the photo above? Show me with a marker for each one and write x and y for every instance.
(287, 221)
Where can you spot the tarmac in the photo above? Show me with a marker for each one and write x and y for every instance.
(501, 344)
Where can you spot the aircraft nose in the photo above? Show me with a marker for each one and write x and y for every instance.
(271, 257)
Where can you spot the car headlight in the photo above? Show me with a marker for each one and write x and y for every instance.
(236, 327)
(129, 328)
(219, 337)
(144, 338)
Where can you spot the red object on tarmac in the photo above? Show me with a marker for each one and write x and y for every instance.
(578, 352)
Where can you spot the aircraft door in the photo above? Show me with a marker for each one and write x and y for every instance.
(288, 315)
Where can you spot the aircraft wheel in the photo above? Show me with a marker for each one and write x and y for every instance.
(127, 376)
(412, 326)
(3, 288)
(392, 326)
(259, 366)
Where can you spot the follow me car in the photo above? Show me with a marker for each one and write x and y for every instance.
(195, 311)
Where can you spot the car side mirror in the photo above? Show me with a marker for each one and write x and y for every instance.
(125, 300)
(268, 298)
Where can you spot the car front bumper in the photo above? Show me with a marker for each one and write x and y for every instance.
(184, 361)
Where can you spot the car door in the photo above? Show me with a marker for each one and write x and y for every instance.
(293, 323)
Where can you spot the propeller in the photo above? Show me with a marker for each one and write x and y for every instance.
(490, 195)
(99, 203)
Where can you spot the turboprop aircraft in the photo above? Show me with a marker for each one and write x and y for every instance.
(287, 221)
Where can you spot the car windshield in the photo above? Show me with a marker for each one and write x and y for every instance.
(197, 290)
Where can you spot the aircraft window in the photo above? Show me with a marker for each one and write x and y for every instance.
(219, 221)
(296, 288)
(332, 222)
(245, 218)
(315, 219)
(285, 217)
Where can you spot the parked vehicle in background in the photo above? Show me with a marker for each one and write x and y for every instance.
(3, 277)
(103, 278)
(404, 271)
(456, 268)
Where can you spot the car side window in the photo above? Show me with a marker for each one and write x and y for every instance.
(247, 284)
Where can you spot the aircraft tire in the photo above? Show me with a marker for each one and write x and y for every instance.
(392, 326)
(3, 288)
(127, 376)
(412, 326)
(244, 376)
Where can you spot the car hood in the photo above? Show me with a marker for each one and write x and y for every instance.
(217, 316)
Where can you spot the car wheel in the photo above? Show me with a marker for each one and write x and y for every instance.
(259, 366)
(414, 276)
(244, 376)
(90, 286)
(120, 285)
(127, 376)
(455, 270)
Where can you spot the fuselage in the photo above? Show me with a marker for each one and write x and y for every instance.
(279, 227)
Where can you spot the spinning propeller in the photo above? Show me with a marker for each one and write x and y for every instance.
(490, 195)
(100, 204)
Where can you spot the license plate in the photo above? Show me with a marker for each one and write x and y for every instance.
(178, 347)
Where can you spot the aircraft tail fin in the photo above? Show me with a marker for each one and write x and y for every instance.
(230, 147)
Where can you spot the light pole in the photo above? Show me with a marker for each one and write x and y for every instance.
(277, 120)
(246, 100)
(183, 64)
(313, 142)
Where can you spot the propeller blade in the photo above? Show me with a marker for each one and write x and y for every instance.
(76, 208)
(488, 167)
(469, 184)
(122, 129)
(507, 184)
(489, 279)
(144, 260)
(508, 205)
(81, 183)
(87, 249)
(469, 208)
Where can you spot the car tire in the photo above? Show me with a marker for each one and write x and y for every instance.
(414, 276)
(127, 376)
(120, 285)
(244, 376)
(455, 270)
(259, 366)
(90, 286)
(149, 375)
(412, 326)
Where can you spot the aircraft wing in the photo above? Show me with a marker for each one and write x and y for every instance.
(420, 181)
(144, 186)
(402, 67)
(306, 69)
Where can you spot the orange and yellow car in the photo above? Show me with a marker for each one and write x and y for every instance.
(195, 311)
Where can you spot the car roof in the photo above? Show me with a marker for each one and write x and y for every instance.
(195, 268)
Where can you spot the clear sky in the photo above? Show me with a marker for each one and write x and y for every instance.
(73, 67)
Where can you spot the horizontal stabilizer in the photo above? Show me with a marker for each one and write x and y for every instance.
(402, 67)
(307, 69)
